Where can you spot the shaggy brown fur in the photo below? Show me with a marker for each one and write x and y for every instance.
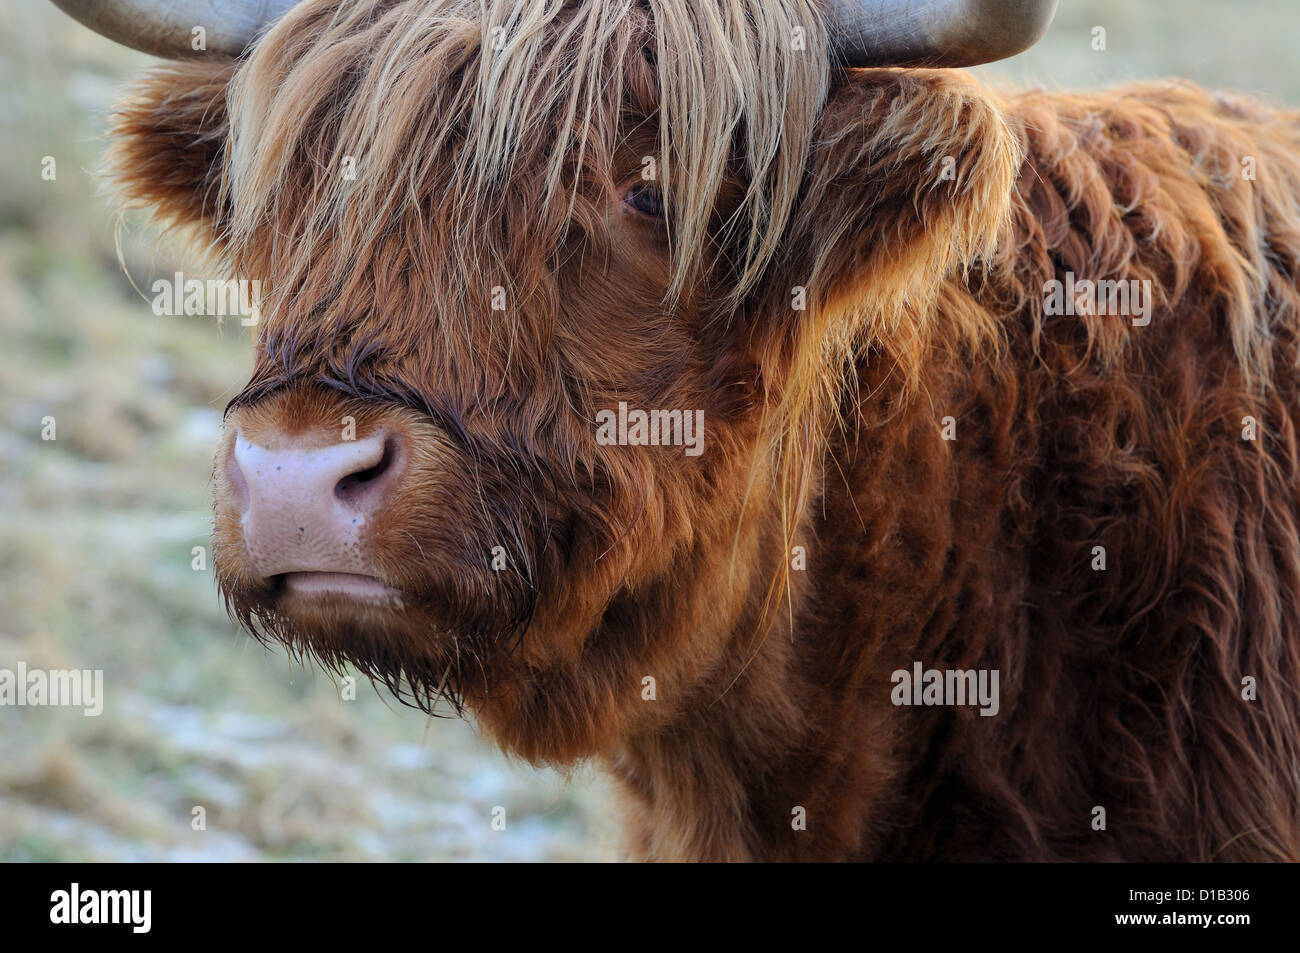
(481, 169)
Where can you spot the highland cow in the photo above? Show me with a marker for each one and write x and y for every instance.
(481, 224)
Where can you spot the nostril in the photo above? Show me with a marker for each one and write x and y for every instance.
(354, 487)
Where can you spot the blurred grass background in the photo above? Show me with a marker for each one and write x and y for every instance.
(97, 527)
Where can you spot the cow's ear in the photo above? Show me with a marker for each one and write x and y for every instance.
(909, 181)
(167, 142)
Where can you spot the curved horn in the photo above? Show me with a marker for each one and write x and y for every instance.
(935, 32)
(163, 27)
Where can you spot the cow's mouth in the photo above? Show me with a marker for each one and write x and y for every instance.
(336, 586)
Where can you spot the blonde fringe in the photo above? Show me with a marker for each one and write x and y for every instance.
(370, 80)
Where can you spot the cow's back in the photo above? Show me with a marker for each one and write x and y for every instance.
(1103, 506)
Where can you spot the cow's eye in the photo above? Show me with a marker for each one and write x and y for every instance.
(646, 199)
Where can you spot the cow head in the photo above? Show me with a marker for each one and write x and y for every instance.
(489, 234)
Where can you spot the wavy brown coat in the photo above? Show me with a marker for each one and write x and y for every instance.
(923, 215)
